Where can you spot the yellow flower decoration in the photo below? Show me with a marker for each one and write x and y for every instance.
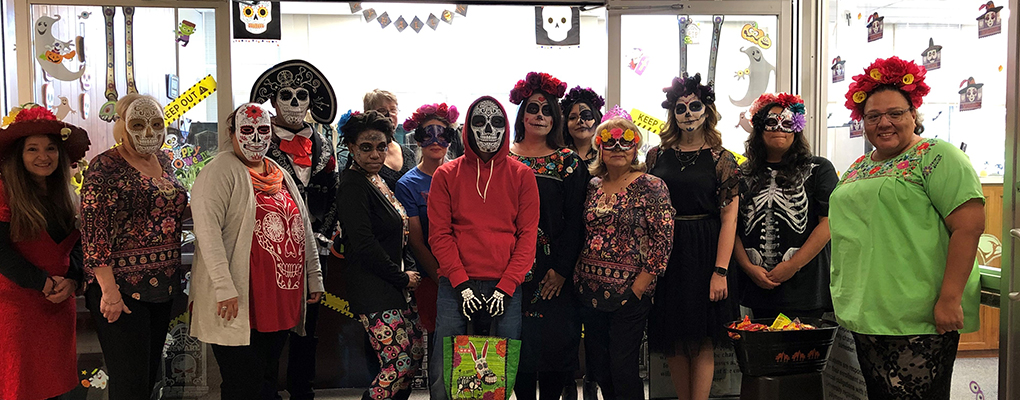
(859, 96)
(908, 79)
(605, 135)
(628, 135)
(875, 74)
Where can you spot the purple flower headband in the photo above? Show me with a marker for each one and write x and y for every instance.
(581, 95)
(687, 85)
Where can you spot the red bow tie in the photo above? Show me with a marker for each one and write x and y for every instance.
(299, 148)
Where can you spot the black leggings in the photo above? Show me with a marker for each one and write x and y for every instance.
(550, 385)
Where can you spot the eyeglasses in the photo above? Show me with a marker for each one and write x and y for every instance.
(533, 108)
(694, 106)
(894, 116)
(367, 147)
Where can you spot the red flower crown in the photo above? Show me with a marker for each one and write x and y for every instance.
(905, 75)
(427, 111)
(784, 100)
(535, 82)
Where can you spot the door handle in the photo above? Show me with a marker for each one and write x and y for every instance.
(1015, 296)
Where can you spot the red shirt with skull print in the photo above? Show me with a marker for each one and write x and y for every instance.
(277, 263)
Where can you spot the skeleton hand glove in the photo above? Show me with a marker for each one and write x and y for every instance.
(470, 301)
(495, 303)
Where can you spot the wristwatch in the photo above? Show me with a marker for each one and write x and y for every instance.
(721, 271)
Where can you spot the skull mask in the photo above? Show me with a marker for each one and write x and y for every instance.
(292, 104)
(689, 112)
(256, 16)
(144, 122)
(488, 126)
(782, 122)
(556, 21)
(253, 130)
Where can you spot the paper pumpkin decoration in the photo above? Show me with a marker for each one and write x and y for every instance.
(751, 33)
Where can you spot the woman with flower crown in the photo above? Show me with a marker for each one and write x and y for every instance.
(629, 227)
(551, 330)
(692, 298)
(783, 230)
(905, 222)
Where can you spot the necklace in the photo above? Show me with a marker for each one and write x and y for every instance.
(687, 161)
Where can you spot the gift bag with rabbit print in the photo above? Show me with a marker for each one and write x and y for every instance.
(480, 367)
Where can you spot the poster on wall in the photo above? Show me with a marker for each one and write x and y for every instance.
(838, 69)
(931, 57)
(970, 95)
(557, 26)
(989, 23)
(856, 128)
(257, 20)
(876, 27)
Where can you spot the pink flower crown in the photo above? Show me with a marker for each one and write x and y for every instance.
(447, 113)
(904, 75)
(537, 82)
(617, 112)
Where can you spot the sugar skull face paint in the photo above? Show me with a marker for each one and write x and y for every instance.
(292, 104)
(690, 113)
(488, 126)
(144, 122)
(538, 115)
(253, 131)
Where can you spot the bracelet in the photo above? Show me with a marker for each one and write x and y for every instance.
(114, 303)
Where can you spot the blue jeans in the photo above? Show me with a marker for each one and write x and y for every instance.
(451, 322)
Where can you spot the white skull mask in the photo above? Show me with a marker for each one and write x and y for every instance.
(256, 15)
(556, 21)
(144, 122)
(990, 18)
(488, 125)
(292, 104)
(972, 94)
(253, 130)
(690, 112)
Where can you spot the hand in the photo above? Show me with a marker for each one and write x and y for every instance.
(470, 302)
(551, 284)
(717, 289)
(782, 272)
(65, 288)
(314, 298)
(227, 309)
(413, 279)
(638, 292)
(760, 277)
(495, 303)
(112, 305)
(948, 316)
(49, 285)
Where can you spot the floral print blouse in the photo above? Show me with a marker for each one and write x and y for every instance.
(132, 223)
(627, 233)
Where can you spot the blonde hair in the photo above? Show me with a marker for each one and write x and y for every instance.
(377, 97)
(672, 134)
(120, 126)
(597, 167)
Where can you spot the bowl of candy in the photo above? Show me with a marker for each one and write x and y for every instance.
(782, 346)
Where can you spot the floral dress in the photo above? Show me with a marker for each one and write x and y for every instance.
(551, 329)
(627, 233)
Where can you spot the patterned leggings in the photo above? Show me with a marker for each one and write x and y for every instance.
(396, 336)
(907, 367)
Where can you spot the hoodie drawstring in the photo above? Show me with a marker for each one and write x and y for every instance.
(478, 178)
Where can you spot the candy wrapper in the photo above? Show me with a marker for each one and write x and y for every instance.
(781, 323)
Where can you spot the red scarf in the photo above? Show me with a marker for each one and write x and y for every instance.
(270, 182)
(299, 148)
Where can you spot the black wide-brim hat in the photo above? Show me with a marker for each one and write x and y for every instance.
(971, 84)
(931, 46)
(295, 74)
(837, 61)
(76, 143)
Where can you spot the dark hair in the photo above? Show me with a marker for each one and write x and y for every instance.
(567, 139)
(366, 121)
(29, 204)
(552, 139)
(918, 127)
(796, 162)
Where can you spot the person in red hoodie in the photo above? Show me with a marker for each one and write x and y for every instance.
(483, 219)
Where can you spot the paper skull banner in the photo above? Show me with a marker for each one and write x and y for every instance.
(257, 20)
(557, 26)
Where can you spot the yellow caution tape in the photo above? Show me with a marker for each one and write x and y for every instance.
(186, 101)
(740, 158)
(337, 304)
(647, 122)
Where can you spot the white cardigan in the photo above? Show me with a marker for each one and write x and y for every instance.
(223, 206)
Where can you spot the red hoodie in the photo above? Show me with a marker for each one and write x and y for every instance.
(483, 216)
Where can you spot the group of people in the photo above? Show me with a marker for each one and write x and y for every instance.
(535, 232)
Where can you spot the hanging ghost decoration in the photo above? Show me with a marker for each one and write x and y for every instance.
(557, 26)
(257, 20)
(61, 110)
(758, 75)
(51, 52)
